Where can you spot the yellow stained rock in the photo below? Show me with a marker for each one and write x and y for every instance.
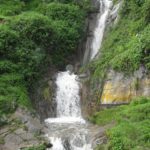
(117, 93)
(122, 92)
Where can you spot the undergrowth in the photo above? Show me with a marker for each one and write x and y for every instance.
(131, 130)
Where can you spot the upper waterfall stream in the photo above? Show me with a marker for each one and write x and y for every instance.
(100, 28)
(69, 131)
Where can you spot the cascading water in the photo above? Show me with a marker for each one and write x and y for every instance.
(93, 45)
(99, 31)
(67, 98)
(69, 131)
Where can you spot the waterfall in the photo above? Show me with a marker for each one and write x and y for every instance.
(67, 98)
(92, 48)
(99, 31)
(69, 131)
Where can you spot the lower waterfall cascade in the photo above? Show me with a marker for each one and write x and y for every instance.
(69, 131)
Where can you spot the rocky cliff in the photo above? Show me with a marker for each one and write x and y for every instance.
(115, 87)
(119, 88)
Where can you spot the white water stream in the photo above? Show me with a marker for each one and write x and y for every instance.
(69, 131)
(68, 99)
(105, 6)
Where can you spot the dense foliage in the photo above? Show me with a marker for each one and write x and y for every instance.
(33, 35)
(127, 45)
(131, 130)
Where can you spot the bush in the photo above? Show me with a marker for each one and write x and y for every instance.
(7, 66)
(33, 27)
(9, 7)
(68, 21)
(13, 92)
(57, 11)
(35, 35)
(8, 40)
(131, 130)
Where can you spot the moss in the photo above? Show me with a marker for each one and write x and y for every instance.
(136, 84)
(40, 147)
(47, 93)
(2, 141)
(115, 1)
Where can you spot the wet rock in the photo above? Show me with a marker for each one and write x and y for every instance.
(78, 142)
(67, 145)
(27, 136)
(69, 68)
(43, 97)
(13, 139)
(49, 145)
(96, 6)
(9, 146)
(34, 126)
(21, 115)
(20, 131)
(30, 143)
(4, 131)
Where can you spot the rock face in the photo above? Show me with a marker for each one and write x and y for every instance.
(115, 88)
(119, 88)
(43, 95)
(89, 96)
(22, 130)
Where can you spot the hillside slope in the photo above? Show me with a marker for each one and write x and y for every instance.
(35, 35)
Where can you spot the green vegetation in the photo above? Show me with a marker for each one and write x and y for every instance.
(40, 147)
(34, 35)
(131, 130)
(127, 45)
(10, 7)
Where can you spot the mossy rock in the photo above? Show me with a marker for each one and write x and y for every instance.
(47, 93)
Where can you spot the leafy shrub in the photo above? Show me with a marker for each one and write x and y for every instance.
(34, 27)
(68, 21)
(65, 42)
(7, 66)
(34, 35)
(8, 40)
(57, 11)
(13, 92)
(131, 130)
(9, 7)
